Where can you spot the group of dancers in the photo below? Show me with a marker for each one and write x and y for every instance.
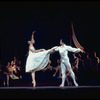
(38, 59)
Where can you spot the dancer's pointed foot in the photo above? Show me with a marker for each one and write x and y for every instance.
(34, 84)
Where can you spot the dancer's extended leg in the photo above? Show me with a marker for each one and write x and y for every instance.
(71, 72)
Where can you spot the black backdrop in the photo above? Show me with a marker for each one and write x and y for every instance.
(51, 20)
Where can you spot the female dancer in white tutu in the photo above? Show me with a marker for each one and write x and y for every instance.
(37, 59)
(63, 50)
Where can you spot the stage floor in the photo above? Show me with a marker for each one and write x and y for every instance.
(51, 87)
(47, 89)
(51, 92)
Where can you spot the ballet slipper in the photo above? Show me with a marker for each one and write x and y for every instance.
(76, 84)
(61, 85)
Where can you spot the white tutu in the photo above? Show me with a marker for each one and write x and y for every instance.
(37, 61)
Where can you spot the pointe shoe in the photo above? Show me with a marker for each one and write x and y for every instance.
(34, 84)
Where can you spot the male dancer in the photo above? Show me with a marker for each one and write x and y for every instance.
(63, 51)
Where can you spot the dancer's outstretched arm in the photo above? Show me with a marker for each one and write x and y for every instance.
(35, 49)
(69, 48)
(32, 38)
(39, 50)
(53, 49)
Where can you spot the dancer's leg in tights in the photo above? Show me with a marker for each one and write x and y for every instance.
(33, 78)
(67, 63)
(63, 69)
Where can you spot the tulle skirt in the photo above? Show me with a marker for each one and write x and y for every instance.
(37, 61)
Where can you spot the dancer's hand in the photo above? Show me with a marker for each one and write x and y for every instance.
(43, 50)
(54, 75)
(33, 32)
(82, 51)
(54, 47)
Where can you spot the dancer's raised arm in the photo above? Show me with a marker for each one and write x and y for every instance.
(32, 38)
(39, 50)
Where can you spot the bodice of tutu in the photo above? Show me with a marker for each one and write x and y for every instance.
(31, 49)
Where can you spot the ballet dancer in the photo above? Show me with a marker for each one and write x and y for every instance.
(63, 51)
(36, 59)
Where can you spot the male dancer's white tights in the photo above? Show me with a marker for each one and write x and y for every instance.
(65, 64)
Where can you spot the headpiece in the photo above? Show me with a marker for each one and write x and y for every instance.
(29, 42)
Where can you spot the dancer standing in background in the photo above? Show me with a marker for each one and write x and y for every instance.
(95, 68)
(58, 68)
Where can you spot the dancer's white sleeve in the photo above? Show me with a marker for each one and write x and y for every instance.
(57, 49)
(69, 48)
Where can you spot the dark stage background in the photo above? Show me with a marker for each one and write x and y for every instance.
(51, 20)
